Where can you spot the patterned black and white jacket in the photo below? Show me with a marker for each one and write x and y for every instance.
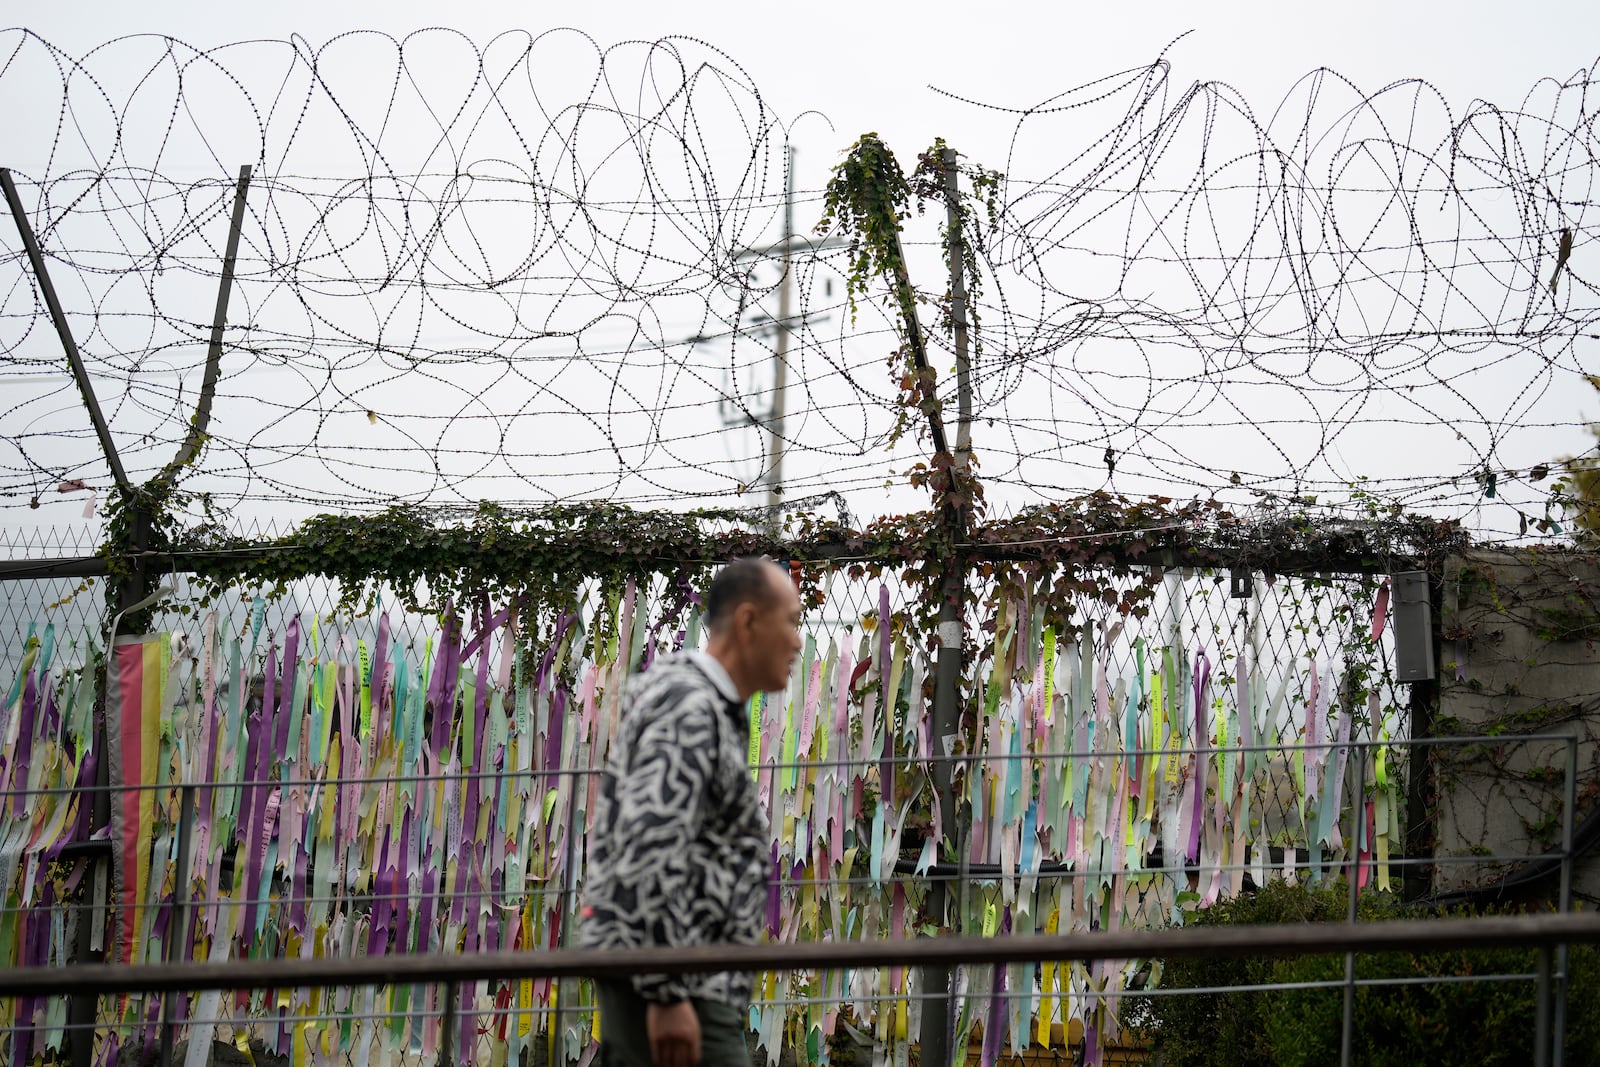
(678, 849)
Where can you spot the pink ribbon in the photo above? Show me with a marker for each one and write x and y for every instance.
(1380, 609)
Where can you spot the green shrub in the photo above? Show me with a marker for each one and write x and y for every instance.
(1439, 1023)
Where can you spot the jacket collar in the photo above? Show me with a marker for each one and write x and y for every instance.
(712, 669)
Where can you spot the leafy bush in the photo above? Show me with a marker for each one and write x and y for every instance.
(1453, 1022)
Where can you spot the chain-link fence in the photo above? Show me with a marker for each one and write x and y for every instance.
(323, 783)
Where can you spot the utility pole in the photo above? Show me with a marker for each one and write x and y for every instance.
(780, 355)
(772, 452)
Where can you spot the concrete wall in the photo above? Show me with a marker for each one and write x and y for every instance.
(1519, 655)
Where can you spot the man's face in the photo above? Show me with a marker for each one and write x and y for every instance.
(775, 634)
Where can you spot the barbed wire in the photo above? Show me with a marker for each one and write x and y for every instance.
(539, 269)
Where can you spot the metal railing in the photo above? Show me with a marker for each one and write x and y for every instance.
(1545, 933)
(1349, 938)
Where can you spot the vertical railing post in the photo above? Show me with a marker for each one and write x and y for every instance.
(1358, 820)
(1569, 803)
(1541, 1011)
(447, 1039)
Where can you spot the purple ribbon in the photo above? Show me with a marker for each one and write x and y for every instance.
(487, 631)
(442, 689)
(552, 747)
(291, 650)
(258, 760)
(774, 899)
(467, 904)
(430, 888)
(401, 912)
(995, 1023)
(383, 886)
(380, 675)
(87, 772)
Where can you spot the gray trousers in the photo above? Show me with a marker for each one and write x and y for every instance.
(624, 1042)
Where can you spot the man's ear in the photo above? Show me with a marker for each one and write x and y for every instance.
(744, 616)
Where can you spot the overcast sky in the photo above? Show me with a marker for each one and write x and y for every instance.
(866, 66)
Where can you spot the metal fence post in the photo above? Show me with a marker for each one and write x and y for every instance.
(83, 1011)
(1417, 879)
(1569, 803)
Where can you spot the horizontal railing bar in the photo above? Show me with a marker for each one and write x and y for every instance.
(985, 874)
(510, 1013)
(1200, 941)
(514, 775)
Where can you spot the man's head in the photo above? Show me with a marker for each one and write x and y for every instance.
(753, 614)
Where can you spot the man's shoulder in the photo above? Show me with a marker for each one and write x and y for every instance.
(675, 680)
(675, 666)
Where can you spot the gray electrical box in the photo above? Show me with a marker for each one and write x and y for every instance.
(1413, 627)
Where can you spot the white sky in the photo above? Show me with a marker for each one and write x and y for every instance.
(869, 66)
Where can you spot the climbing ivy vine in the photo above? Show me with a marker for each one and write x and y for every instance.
(868, 200)
(1099, 549)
